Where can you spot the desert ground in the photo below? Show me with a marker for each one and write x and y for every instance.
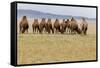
(48, 48)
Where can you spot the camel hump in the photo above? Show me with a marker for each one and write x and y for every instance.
(57, 20)
(83, 18)
(72, 19)
(24, 20)
(35, 20)
(43, 19)
(49, 19)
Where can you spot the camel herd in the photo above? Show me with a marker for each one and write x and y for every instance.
(67, 25)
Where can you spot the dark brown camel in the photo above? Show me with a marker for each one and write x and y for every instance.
(23, 25)
(84, 26)
(63, 26)
(57, 26)
(42, 25)
(35, 26)
(49, 26)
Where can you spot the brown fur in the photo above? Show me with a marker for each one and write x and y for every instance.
(42, 25)
(57, 25)
(73, 26)
(49, 26)
(63, 26)
(23, 25)
(68, 25)
(35, 26)
(84, 26)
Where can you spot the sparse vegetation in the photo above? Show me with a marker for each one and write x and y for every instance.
(48, 48)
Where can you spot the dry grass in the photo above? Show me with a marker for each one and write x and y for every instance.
(48, 48)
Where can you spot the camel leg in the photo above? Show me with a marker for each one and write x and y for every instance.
(20, 29)
(27, 30)
(41, 30)
(52, 30)
(37, 30)
(69, 31)
(45, 30)
(23, 30)
(56, 30)
(85, 31)
(48, 31)
(33, 29)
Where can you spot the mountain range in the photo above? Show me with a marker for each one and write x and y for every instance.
(38, 14)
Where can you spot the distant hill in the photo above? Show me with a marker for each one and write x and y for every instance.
(38, 14)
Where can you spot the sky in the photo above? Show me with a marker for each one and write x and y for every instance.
(60, 10)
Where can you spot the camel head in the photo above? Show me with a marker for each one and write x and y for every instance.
(43, 19)
(24, 17)
(72, 19)
(56, 20)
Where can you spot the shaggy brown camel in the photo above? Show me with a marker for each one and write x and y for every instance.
(35, 26)
(42, 25)
(84, 26)
(63, 26)
(57, 26)
(23, 25)
(49, 26)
